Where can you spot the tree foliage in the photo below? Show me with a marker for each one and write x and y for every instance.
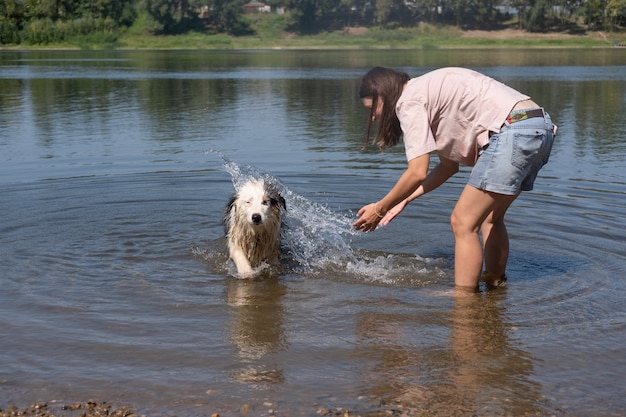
(11, 20)
(617, 12)
(171, 16)
(46, 21)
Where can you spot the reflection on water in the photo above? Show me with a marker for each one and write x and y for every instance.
(490, 373)
(256, 327)
(44, 99)
(115, 168)
(481, 371)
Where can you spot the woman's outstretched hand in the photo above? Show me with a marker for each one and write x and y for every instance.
(391, 214)
(368, 218)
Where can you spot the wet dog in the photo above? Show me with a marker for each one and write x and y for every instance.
(253, 222)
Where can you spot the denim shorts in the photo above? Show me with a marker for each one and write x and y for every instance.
(510, 162)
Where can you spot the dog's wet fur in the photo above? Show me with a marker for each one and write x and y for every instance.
(253, 222)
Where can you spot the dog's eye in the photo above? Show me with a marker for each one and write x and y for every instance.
(248, 202)
(265, 202)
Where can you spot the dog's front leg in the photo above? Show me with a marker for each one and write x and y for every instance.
(241, 262)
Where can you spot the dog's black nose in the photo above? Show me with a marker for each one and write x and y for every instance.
(256, 218)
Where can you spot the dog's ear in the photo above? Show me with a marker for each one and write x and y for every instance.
(229, 208)
(274, 195)
(282, 202)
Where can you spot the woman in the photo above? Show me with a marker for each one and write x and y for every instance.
(466, 118)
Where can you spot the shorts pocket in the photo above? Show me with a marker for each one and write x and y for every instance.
(527, 148)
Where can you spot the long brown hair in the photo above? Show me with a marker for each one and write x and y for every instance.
(384, 84)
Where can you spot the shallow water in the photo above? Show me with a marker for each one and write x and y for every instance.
(115, 168)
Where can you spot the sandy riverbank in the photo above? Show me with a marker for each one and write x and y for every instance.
(92, 408)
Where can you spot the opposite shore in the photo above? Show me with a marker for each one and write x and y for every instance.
(421, 37)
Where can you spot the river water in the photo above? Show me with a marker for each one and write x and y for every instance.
(115, 167)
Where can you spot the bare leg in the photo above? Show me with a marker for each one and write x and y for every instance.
(472, 210)
(496, 239)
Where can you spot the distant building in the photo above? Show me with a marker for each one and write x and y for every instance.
(256, 7)
(505, 7)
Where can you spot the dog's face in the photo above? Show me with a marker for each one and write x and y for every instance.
(257, 201)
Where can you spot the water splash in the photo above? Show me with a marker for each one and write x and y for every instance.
(313, 233)
(317, 240)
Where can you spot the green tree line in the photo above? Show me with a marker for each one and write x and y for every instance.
(102, 21)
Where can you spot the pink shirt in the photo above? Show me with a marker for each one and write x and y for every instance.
(451, 111)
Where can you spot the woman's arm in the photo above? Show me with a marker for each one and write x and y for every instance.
(411, 179)
(439, 174)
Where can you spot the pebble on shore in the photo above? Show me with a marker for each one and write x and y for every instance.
(86, 409)
(92, 408)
